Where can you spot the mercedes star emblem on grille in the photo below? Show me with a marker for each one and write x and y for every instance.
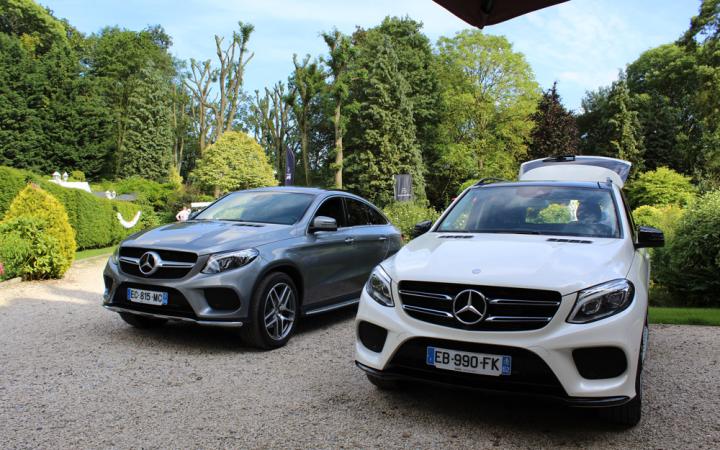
(469, 307)
(149, 263)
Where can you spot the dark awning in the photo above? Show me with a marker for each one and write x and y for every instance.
(489, 12)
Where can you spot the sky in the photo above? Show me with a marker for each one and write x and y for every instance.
(581, 44)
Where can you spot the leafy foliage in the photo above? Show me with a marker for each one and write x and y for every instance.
(660, 187)
(693, 256)
(37, 203)
(404, 215)
(27, 250)
(489, 96)
(235, 161)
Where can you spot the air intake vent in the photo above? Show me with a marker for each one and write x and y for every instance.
(570, 241)
(253, 225)
(455, 236)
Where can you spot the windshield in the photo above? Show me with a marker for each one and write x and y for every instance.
(564, 211)
(257, 206)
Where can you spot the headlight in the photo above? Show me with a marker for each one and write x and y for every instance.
(231, 260)
(602, 301)
(115, 256)
(378, 287)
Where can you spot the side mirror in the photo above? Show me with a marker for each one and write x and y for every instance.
(323, 223)
(649, 237)
(421, 228)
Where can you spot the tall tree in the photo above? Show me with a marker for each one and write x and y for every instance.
(381, 131)
(663, 84)
(122, 61)
(147, 147)
(199, 81)
(626, 140)
(555, 131)
(273, 124)
(340, 54)
(418, 65)
(307, 80)
(489, 96)
(52, 116)
(232, 59)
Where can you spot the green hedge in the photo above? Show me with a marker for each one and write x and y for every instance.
(94, 219)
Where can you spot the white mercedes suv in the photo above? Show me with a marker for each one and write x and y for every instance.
(535, 287)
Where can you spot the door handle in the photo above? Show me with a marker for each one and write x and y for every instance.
(382, 238)
(349, 240)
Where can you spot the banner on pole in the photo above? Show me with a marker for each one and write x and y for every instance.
(403, 188)
(289, 167)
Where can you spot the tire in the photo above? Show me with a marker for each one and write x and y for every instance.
(383, 384)
(629, 414)
(273, 312)
(139, 321)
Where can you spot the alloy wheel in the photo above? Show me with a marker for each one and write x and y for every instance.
(279, 311)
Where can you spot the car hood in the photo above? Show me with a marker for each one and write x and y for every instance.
(209, 236)
(512, 260)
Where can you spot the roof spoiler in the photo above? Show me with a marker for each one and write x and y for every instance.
(585, 168)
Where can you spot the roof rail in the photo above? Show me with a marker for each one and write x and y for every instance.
(560, 158)
(490, 180)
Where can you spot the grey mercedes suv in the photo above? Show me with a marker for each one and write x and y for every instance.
(256, 259)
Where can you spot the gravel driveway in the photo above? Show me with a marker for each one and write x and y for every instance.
(74, 375)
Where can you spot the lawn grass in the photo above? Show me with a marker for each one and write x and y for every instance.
(685, 316)
(84, 254)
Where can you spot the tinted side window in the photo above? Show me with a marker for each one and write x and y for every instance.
(333, 207)
(375, 217)
(357, 213)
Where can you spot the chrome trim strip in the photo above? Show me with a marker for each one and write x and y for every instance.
(507, 301)
(426, 295)
(508, 319)
(433, 312)
(176, 265)
(211, 323)
(323, 309)
(161, 263)
(129, 260)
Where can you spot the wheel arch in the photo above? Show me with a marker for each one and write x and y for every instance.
(291, 270)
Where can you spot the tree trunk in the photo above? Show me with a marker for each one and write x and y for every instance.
(338, 148)
(304, 148)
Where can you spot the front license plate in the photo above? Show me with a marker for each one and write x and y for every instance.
(147, 297)
(480, 363)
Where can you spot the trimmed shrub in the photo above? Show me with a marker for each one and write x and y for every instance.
(37, 203)
(148, 192)
(29, 250)
(235, 161)
(693, 255)
(94, 219)
(660, 187)
(405, 215)
(12, 181)
(77, 175)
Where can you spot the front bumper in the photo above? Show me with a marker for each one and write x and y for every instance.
(187, 295)
(547, 352)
